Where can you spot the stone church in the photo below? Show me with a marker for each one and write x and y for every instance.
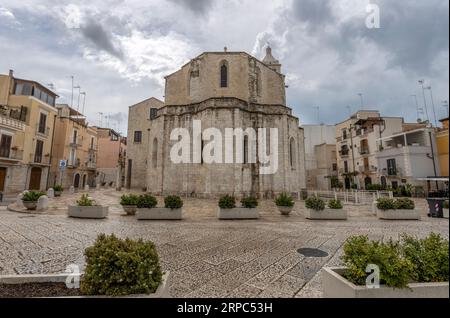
(220, 90)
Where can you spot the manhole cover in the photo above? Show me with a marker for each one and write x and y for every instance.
(312, 252)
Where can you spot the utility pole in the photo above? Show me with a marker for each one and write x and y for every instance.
(432, 104)
(71, 101)
(84, 101)
(79, 91)
(419, 110)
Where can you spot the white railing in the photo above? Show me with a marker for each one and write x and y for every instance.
(12, 123)
(351, 196)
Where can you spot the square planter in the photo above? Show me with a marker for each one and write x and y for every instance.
(161, 292)
(159, 214)
(336, 286)
(30, 205)
(130, 209)
(327, 214)
(238, 214)
(445, 213)
(398, 214)
(88, 212)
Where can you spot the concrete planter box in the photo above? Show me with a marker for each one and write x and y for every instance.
(88, 212)
(30, 205)
(327, 214)
(130, 209)
(285, 210)
(336, 286)
(238, 214)
(398, 214)
(161, 292)
(445, 213)
(159, 214)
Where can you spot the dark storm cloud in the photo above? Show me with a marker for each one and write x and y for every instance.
(313, 12)
(97, 35)
(197, 6)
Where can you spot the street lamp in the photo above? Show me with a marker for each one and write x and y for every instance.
(432, 104)
(421, 82)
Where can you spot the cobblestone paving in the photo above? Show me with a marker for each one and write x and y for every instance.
(206, 257)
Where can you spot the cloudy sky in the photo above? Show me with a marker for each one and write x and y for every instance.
(119, 51)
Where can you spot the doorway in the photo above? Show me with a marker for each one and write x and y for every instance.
(84, 180)
(35, 179)
(130, 164)
(76, 180)
(2, 178)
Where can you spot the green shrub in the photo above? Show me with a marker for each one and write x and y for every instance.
(429, 257)
(117, 267)
(395, 270)
(445, 205)
(315, 203)
(386, 204)
(129, 199)
(58, 188)
(284, 200)
(227, 202)
(32, 196)
(375, 187)
(404, 204)
(173, 202)
(335, 204)
(85, 201)
(146, 201)
(249, 202)
(409, 260)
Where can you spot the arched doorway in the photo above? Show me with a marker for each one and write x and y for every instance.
(76, 180)
(84, 180)
(35, 178)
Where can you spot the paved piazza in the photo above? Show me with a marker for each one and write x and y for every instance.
(206, 257)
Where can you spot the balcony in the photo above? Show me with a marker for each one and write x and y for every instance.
(367, 169)
(73, 163)
(11, 154)
(12, 123)
(344, 153)
(92, 148)
(42, 131)
(75, 144)
(364, 151)
(39, 159)
(91, 165)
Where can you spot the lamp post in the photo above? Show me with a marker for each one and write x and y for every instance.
(362, 101)
(421, 82)
(432, 104)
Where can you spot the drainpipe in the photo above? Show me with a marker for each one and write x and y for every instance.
(51, 150)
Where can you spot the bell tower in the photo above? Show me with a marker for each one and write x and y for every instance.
(270, 61)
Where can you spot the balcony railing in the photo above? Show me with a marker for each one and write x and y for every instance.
(364, 151)
(12, 123)
(75, 144)
(74, 163)
(10, 154)
(344, 153)
(367, 169)
(91, 165)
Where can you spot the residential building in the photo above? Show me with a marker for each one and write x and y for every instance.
(220, 90)
(76, 144)
(442, 147)
(320, 156)
(356, 146)
(27, 117)
(407, 156)
(112, 151)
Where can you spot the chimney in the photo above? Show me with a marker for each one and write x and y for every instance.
(11, 73)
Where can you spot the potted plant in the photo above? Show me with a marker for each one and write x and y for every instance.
(87, 208)
(397, 209)
(228, 211)
(316, 209)
(148, 210)
(445, 209)
(285, 203)
(410, 268)
(107, 273)
(129, 203)
(30, 199)
(58, 189)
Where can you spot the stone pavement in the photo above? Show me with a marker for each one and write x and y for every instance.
(206, 257)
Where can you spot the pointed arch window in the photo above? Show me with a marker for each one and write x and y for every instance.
(224, 74)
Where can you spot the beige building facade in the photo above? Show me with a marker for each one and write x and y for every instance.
(112, 151)
(356, 146)
(76, 144)
(27, 118)
(219, 90)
